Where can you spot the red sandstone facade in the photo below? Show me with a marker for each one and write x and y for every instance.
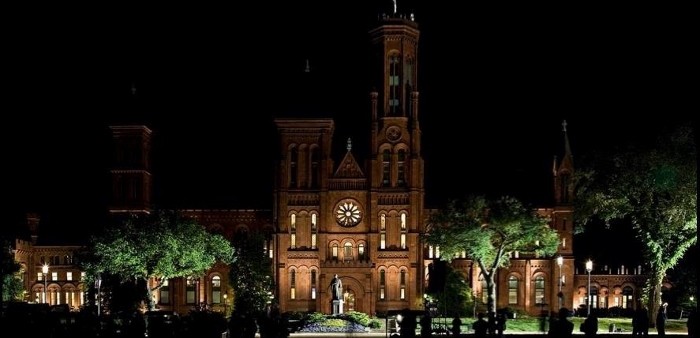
(359, 220)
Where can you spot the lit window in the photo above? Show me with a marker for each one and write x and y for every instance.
(293, 232)
(539, 290)
(69, 276)
(361, 251)
(292, 284)
(334, 251)
(54, 275)
(39, 276)
(190, 291)
(404, 230)
(164, 293)
(402, 289)
(382, 231)
(347, 252)
(382, 284)
(216, 289)
(313, 284)
(314, 231)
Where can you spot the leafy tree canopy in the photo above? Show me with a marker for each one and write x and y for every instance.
(161, 245)
(652, 187)
(488, 231)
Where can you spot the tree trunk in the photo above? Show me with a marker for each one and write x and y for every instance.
(149, 297)
(653, 294)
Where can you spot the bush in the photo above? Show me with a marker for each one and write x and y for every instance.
(316, 317)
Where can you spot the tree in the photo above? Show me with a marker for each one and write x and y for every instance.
(251, 277)
(9, 268)
(162, 245)
(453, 294)
(489, 231)
(653, 188)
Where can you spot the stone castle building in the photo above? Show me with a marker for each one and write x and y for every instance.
(361, 220)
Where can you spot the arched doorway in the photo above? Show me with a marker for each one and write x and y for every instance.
(349, 299)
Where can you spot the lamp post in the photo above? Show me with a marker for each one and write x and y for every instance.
(589, 268)
(45, 272)
(225, 305)
(560, 262)
(98, 284)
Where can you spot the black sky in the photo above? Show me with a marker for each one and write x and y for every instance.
(495, 85)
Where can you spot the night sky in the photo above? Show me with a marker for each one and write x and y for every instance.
(495, 85)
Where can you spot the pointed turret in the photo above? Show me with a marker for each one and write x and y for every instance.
(563, 171)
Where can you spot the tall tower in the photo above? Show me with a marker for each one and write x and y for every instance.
(563, 221)
(131, 170)
(396, 166)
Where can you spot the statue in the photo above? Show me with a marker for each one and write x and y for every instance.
(336, 288)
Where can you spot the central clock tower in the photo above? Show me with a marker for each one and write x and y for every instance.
(359, 220)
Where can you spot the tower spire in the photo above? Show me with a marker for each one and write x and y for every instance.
(567, 147)
(395, 7)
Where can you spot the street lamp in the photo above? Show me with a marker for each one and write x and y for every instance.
(45, 272)
(560, 262)
(589, 267)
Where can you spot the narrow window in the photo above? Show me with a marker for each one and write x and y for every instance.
(430, 251)
(402, 289)
(314, 231)
(293, 284)
(293, 167)
(314, 168)
(394, 83)
(190, 290)
(382, 231)
(361, 251)
(293, 232)
(347, 251)
(164, 293)
(216, 290)
(386, 168)
(404, 231)
(565, 188)
(382, 284)
(539, 290)
(69, 276)
(401, 178)
(334, 251)
(627, 294)
(313, 283)
(512, 290)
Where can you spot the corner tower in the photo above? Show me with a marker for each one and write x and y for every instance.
(131, 170)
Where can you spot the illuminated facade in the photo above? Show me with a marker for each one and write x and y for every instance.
(359, 220)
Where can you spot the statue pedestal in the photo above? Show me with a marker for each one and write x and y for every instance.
(337, 306)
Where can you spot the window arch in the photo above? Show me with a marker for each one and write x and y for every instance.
(382, 231)
(382, 284)
(513, 290)
(361, 251)
(347, 251)
(402, 284)
(627, 293)
(539, 290)
(334, 251)
(594, 297)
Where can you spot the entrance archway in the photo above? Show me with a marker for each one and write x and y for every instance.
(349, 299)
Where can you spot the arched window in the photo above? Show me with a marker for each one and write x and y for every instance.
(401, 177)
(594, 297)
(382, 284)
(361, 251)
(402, 284)
(347, 251)
(314, 231)
(216, 289)
(386, 168)
(539, 290)
(512, 290)
(382, 231)
(164, 293)
(293, 232)
(404, 231)
(292, 284)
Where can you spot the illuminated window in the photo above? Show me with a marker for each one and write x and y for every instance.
(512, 290)
(430, 251)
(386, 168)
(293, 284)
(164, 293)
(314, 231)
(437, 251)
(54, 275)
(347, 251)
(216, 289)
(313, 283)
(361, 251)
(39, 276)
(401, 178)
(382, 231)
(594, 296)
(402, 290)
(293, 232)
(67, 260)
(334, 251)
(69, 276)
(563, 243)
(82, 276)
(539, 290)
(382, 284)
(404, 231)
